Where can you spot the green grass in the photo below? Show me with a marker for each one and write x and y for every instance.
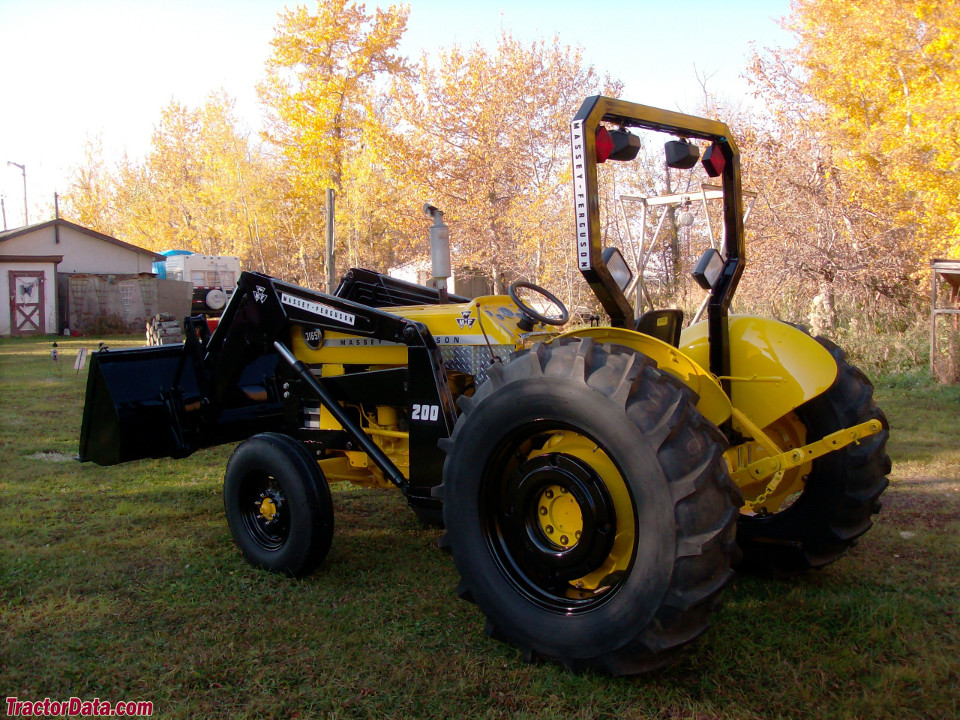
(123, 583)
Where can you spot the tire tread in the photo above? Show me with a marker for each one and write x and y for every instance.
(663, 409)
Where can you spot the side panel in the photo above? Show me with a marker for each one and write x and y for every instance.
(712, 403)
(486, 321)
(337, 348)
(774, 367)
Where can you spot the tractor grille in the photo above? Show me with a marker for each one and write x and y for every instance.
(473, 359)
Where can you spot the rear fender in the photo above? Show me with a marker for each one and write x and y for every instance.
(774, 367)
(712, 403)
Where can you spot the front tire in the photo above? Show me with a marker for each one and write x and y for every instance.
(278, 505)
(588, 507)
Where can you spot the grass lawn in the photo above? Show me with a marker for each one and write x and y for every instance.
(123, 583)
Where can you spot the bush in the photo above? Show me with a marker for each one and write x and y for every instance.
(107, 325)
(898, 347)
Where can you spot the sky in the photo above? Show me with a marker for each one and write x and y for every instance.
(77, 70)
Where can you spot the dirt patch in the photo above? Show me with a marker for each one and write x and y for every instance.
(51, 456)
(931, 502)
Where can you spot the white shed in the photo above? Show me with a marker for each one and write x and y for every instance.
(83, 250)
(32, 258)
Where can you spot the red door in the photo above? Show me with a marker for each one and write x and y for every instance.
(26, 302)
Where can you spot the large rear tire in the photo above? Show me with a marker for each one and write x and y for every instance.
(588, 507)
(278, 505)
(836, 503)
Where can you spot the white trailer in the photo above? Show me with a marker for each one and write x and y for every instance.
(214, 278)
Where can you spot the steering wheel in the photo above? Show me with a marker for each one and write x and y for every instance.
(528, 316)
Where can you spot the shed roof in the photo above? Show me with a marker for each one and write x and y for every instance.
(17, 232)
(31, 258)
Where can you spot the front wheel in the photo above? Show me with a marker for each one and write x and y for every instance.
(278, 505)
(588, 507)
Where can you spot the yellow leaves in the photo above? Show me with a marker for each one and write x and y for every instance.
(202, 187)
(484, 135)
(320, 77)
(887, 76)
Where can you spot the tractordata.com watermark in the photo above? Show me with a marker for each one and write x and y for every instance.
(75, 707)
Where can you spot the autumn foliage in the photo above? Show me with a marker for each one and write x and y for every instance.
(853, 151)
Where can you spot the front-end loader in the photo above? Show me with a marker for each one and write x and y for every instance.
(596, 486)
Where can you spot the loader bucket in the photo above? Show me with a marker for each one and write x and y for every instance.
(127, 414)
(146, 403)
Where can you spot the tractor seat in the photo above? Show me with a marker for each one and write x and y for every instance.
(664, 325)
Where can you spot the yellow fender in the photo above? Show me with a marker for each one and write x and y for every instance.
(774, 367)
(713, 404)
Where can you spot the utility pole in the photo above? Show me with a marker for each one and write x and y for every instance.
(331, 264)
(26, 220)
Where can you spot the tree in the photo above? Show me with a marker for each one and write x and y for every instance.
(319, 82)
(381, 219)
(484, 135)
(849, 157)
(88, 196)
(887, 75)
(320, 92)
(202, 187)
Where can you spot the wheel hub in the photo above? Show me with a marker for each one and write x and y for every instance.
(268, 506)
(560, 516)
(771, 495)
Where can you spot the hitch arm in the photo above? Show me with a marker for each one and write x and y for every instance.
(356, 433)
(777, 465)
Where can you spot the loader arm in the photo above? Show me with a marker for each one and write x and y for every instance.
(170, 401)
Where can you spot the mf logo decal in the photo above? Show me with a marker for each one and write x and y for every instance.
(428, 413)
(465, 321)
(260, 294)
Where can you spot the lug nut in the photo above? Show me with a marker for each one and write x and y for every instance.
(549, 529)
(564, 540)
(543, 509)
(549, 494)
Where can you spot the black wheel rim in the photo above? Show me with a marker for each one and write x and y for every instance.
(264, 511)
(522, 486)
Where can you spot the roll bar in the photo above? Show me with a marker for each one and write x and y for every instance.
(622, 114)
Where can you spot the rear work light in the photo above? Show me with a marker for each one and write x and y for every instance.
(616, 145)
(708, 269)
(681, 154)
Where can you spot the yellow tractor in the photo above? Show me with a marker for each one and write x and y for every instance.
(597, 486)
